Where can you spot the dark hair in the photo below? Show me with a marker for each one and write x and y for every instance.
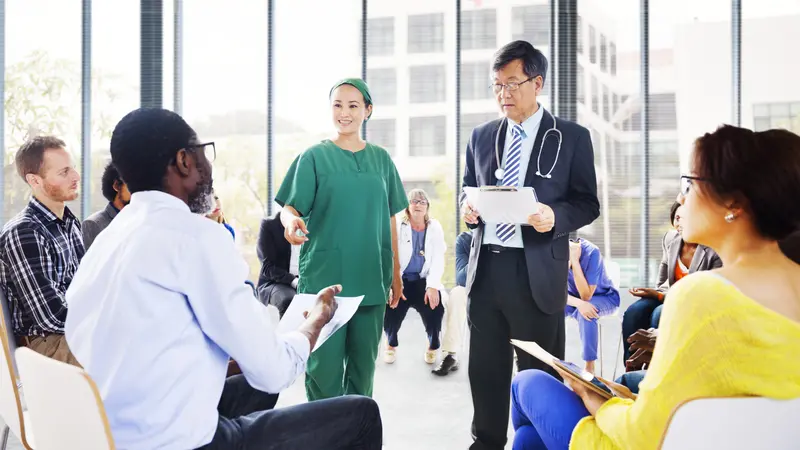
(107, 182)
(30, 155)
(534, 62)
(144, 143)
(759, 169)
(672, 211)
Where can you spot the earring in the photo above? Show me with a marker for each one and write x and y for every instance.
(730, 217)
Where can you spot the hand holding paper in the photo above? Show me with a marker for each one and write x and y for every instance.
(303, 306)
(502, 204)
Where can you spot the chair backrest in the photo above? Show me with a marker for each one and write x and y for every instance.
(614, 272)
(64, 404)
(734, 424)
(10, 396)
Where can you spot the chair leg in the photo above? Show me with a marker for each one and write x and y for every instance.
(600, 345)
(619, 352)
(4, 437)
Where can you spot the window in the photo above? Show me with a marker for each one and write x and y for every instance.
(603, 53)
(380, 36)
(475, 81)
(612, 58)
(579, 36)
(662, 113)
(606, 104)
(531, 23)
(428, 84)
(580, 91)
(479, 29)
(595, 96)
(615, 104)
(592, 45)
(470, 121)
(428, 186)
(777, 115)
(427, 136)
(426, 33)
(383, 132)
(383, 83)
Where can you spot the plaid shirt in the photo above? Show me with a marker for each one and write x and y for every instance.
(39, 255)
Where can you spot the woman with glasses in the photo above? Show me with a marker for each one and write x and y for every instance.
(339, 200)
(730, 332)
(421, 246)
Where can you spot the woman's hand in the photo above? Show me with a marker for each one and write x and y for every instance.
(646, 293)
(432, 297)
(588, 310)
(290, 232)
(591, 399)
(396, 292)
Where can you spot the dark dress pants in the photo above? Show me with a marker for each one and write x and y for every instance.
(248, 422)
(414, 291)
(501, 307)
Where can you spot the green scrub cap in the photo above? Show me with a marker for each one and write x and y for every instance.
(359, 84)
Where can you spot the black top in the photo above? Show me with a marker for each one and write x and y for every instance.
(274, 252)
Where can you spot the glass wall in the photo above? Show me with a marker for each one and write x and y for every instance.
(411, 68)
(43, 85)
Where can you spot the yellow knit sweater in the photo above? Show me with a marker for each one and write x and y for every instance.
(714, 341)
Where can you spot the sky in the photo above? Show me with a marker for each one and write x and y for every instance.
(317, 42)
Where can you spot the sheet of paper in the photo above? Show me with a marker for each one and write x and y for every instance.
(536, 350)
(301, 303)
(503, 206)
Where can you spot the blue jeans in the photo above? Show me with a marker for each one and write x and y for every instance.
(543, 411)
(631, 380)
(588, 328)
(642, 314)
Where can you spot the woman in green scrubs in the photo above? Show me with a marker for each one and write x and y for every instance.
(342, 195)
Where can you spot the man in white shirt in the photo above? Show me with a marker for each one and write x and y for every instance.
(160, 305)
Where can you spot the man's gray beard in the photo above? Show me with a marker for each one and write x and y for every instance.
(204, 204)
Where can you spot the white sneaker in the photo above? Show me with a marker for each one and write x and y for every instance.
(430, 356)
(389, 356)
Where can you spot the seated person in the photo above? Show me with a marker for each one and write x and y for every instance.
(727, 333)
(116, 192)
(455, 310)
(679, 259)
(421, 249)
(218, 216)
(643, 343)
(158, 307)
(41, 247)
(277, 282)
(591, 294)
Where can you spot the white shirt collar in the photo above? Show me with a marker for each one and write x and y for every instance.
(159, 198)
(531, 125)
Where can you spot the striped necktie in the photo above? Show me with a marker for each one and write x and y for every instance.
(506, 231)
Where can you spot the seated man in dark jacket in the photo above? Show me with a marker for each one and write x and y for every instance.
(277, 282)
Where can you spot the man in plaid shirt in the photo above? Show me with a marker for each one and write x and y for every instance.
(41, 247)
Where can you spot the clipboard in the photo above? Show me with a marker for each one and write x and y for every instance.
(573, 372)
(503, 204)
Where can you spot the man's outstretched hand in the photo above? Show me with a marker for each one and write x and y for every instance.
(320, 314)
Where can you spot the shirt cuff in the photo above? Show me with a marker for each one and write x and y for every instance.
(294, 282)
(300, 343)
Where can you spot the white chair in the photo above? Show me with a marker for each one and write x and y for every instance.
(64, 404)
(11, 403)
(743, 423)
(615, 273)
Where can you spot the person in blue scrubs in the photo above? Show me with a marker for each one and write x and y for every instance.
(591, 294)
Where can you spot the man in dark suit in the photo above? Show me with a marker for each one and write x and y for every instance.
(277, 282)
(517, 276)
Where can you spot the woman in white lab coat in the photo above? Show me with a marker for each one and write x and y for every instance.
(421, 247)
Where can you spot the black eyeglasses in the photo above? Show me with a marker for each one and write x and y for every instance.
(687, 181)
(417, 201)
(208, 148)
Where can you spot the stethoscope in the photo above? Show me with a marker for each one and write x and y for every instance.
(499, 173)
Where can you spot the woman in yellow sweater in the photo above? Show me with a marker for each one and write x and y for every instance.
(730, 332)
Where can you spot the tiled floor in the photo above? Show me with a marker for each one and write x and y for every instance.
(421, 411)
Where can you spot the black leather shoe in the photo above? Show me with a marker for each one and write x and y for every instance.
(448, 364)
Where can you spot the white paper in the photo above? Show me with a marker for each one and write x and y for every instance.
(536, 351)
(293, 317)
(503, 206)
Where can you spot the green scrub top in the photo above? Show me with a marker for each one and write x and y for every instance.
(347, 200)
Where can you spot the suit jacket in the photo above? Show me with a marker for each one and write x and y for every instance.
(571, 193)
(97, 222)
(704, 259)
(275, 254)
